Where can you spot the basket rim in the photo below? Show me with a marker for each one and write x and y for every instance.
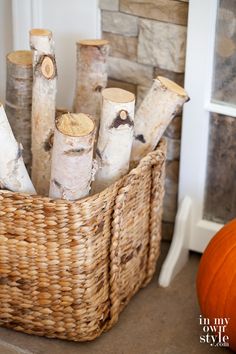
(151, 158)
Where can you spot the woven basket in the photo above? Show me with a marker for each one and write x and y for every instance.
(67, 269)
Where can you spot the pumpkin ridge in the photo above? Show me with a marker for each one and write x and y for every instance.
(214, 276)
(216, 280)
(224, 311)
(216, 245)
(232, 282)
(229, 287)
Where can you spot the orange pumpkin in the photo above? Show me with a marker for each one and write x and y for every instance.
(216, 280)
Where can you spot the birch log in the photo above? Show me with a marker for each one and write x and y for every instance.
(13, 173)
(19, 98)
(72, 156)
(115, 137)
(163, 101)
(43, 107)
(91, 76)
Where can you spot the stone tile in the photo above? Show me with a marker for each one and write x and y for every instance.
(169, 207)
(161, 10)
(117, 22)
(172, 172)
(122, 46)
(220, 194)
(141, 93)
(162, 44)
(167, 229)
(173, 149)
(176, 77)
(123, 85)
(173, 130)
(226, 22)
(112, 5)
(128, 71)
(171, 191)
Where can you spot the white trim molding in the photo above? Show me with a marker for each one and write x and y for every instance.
(192, 231)
(179, 249)
(223, 108)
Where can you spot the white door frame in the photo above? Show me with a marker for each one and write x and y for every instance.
(26, 14)
(192, 231)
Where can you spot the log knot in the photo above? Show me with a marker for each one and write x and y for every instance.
(61, 188)
(98, 88)
(49, 141)
(46, 66)
(122, 118)
(98, 153)
(140, 138)
(77, 152)
(19, 151)
(104, 50)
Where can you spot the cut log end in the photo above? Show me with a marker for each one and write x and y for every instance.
(93, 42)
(40, 32)
(75, 125)
(172, 86)
(118, 95)
(20, 57)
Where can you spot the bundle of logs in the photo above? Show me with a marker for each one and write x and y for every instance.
(70, 154)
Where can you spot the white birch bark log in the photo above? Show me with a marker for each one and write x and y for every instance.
(91, 76)
(43, 107)
(162, 102)
(19, 98)
(115, 137)
(72, 156)
(13, 173)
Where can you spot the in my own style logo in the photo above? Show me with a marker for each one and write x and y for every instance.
(214, 331)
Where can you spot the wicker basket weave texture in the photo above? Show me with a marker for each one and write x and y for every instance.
(67, 269)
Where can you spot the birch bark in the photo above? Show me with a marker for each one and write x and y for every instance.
(72, 156)
(115, 137)
(43, 107)
(19, 99)
(91, 76)
(13, 173)
(163, 101)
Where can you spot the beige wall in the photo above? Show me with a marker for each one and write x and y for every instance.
(69, 20)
